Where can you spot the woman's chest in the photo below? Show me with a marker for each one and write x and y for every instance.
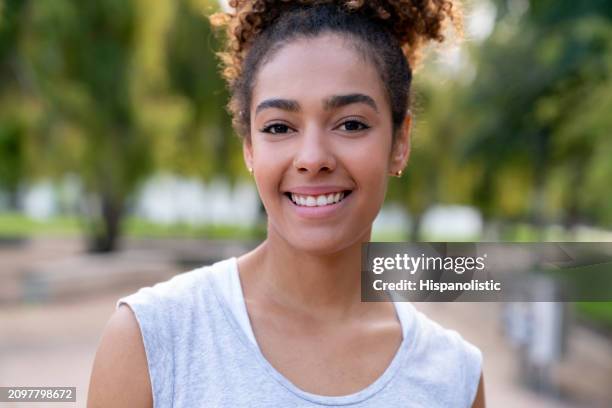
(328, 360)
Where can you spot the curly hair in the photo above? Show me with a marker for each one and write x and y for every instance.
(391, 33)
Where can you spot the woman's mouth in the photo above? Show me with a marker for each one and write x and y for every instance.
(320, 200)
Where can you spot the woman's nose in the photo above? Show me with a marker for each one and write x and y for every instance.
(314, 153)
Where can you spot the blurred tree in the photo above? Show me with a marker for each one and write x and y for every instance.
(433, 174)
(582, 123)
(80, 54)
(12, 124)
(535, 74)
(207, 146)
(116, 89)
(11, 159)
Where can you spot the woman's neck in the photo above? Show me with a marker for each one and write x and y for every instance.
(326, 285)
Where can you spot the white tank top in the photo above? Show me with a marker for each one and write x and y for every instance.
(201, 351)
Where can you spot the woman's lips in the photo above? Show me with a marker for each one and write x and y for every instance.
(313, 206)
(317, 190)
(318, 200)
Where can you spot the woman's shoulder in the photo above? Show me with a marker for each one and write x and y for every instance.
(175, 308)
(120, 365)
(433, 334)
(443, 354)
(145, 332)
(180, 290)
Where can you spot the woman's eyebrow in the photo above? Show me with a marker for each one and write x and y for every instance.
(333, 102)
(338, 101)
(284, 104)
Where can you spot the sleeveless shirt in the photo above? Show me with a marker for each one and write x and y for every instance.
(201, 352)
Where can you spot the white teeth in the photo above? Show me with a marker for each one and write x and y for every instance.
(311, 201)
(317, 201)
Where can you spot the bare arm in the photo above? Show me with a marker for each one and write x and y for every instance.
(479, 401)
(120, 377)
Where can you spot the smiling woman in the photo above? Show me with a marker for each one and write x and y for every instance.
(321, 128)
(320, 96)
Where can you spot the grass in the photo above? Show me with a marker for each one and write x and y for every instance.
(144, 229)
(598, 312)
(12, 225)
(17, 225)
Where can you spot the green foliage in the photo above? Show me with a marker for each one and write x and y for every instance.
(193, 74)
(433, 173)
(11, 154)
(12, 126)
(540, 104)
(80, 57)
(111, 91)
(527, 139)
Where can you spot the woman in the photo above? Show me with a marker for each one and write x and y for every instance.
(320, 94)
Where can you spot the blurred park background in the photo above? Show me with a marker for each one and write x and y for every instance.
(119, 168)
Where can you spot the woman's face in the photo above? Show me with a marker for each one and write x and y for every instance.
(320, 149)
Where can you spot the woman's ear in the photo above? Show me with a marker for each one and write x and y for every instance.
(401, 146)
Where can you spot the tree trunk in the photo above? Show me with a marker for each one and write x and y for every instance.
(538, 216)
(415, 227)
(572, 212)
(107, 228)
(14, 201)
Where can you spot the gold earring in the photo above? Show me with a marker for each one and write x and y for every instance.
(398, 173)
(251, 170)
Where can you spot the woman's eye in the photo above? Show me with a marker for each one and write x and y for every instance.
(353, 125)
(276, 128)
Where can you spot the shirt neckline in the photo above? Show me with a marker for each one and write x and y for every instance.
(405, 317)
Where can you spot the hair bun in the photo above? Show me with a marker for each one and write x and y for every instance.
(413, 22)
